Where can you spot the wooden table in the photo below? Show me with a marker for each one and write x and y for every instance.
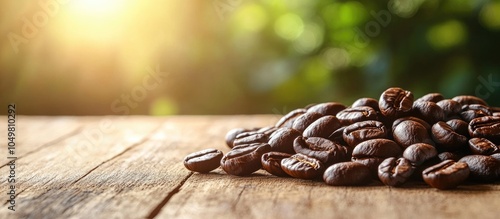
(131, 167)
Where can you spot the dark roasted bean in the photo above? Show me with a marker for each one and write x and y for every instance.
(362, 131)
(470, 112)
(410, 132)
(271, 162)
(304, 120)
(466, 100)
(459, 126)
(412, 118)
(450, 107)
(431, 97)
(203, 161)
(287, 120)
(347, 174)
(302, 167)
(357, 114)
(267, 130)
(446, 175)
(482, 146)
(330, 108)
(395, 102)
(322, 127)
(449, 156)
(395, 172)
(482, 168)
(419, 153)
(373, 103)
(486, 127)
(250, 138)
(446, 138)
(372, 152)
(322, 149)
(231, 135)
(428, 111)
(282, 140)
(245, 159)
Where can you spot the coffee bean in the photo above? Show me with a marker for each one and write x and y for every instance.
(357, 114)
(267, 130)
(410, 132)
(395, 102)
(412, 118)
(449, 156)
(250, 138)
(322, 149)
(203, 161)
(419, 153)
(373, 103)
(470, 112)
(231, 135)
(446, 138)
(459, 126)
(330, 108)
(482, 168)
(482, 146)
(244, 159)
(372, 152)
(428, 111)
(322, 127)
(337, 136)
(431, 97)
(446, 175)
(466, 100)
(395, 172)
(282, 140)
(302, 167)
(288, 119)
(347, 174)
(362, 131)
(450, 107)
(271, 162)
(486, 127)
(304, 120)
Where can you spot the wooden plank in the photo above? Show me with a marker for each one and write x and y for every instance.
(60, 165)
(140, 181)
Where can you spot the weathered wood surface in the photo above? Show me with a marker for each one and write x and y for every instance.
(131, 167)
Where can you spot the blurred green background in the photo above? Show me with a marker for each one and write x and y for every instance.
(159, 57)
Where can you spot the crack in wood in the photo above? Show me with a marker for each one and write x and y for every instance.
(164, 202)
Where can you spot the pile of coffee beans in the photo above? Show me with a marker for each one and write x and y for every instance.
(397, 139)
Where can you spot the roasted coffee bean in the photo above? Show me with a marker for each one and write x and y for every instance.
(356, 114)
(373, 103)
(322, 149)
(446, 175)
(282, 140)
(362, 131)
(486, 127)
(466, 100)
(446, 138)
(428, 111)
(431, 97)
(322, 127)
(347, 174)
(470, 112)
(304, 120)
(450, 107)
(412, 118)
(372, 152)
(337, 136)
(330, 108)
(482, 168)
(395, 172)
(302, 167)
(449, 156)
(271, 162)
(395, 102)
(288, 119)
(459, 126)
(419, 153)
(250, 138)
(203, 161)
(482, 146)
(410, 132)
(231, 135)
(267, 130)
(244, 159)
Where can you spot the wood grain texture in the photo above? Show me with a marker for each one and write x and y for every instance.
(132, 167)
